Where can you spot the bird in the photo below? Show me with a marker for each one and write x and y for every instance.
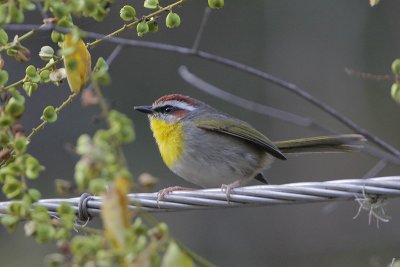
(210, 148)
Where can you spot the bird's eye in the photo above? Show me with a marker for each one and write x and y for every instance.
(165, 109)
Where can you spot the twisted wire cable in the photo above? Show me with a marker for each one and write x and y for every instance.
(88, 206)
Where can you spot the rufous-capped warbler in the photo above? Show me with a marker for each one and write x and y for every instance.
(211, 149)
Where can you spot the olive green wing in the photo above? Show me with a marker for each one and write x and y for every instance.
(242, 131)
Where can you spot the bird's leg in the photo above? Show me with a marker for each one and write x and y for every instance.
(227, 188)
(162, 193)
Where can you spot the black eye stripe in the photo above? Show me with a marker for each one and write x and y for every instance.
(165, 109)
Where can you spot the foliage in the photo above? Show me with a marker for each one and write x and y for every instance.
(102, 164)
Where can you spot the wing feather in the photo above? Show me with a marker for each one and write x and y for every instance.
(242, 131)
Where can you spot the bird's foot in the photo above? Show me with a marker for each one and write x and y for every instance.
(227, 188)
(164, 192)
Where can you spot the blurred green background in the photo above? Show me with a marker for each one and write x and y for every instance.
(305, 42)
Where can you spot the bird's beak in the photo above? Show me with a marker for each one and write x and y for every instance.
(144, 109)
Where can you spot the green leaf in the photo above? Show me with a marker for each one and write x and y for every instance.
(65, 209)
(216, 3)
(3, 77)
(153, 26)
(12, 188)
(127, 13)
(142, 28)
(14, 107)
(15, 208)
(30, 87)
(151, 4)
(396, 66)
(46, 53)
(40, 214)
(33, 168)
(10, 222)
(34, 194)
(44, 232)
(57, 37)
(100, 72)
(172, 20)
(6, 120)
(395, 92)
(4, 138)
(45, 76)
(3, 37)
(50, 114)
(20, 144)
(31, 71)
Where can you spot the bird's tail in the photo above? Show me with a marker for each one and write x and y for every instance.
(322, 144)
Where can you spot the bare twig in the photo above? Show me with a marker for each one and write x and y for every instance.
(381, 154)
(105, 109)
(369, 76)
(272, 112)
(255, 72)
(114, 54)
(40, 127)
(377, 168)
(199, 34)
(241, 102)
(305, 95)
(41, 10)
(44, 123)
(134, 23)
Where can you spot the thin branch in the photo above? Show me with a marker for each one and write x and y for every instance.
(100, 37)
(258, 73)
(303, 94)
(377, 168)
(32, 30)
(114, 54)
(199, 34)
(21, 81)
(369, 76)
(58, 109)
(381, 154)
(105, 109)
(133, 24)
(41, 10)
(272, 112)
(38, 128)
(241, 102)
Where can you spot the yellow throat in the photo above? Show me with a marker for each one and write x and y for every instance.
(169, 138)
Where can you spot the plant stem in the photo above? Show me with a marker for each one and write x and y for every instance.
(58, 109)
(132, 24)
(20, 82)
(23, 37)
(105, 110)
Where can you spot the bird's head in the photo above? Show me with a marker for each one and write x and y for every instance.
(171, 108)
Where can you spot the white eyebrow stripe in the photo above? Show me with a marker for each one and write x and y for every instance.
(175, 103)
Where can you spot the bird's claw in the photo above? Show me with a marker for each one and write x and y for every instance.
(227, 188)
(166, 191)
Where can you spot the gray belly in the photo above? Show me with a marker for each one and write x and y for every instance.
(217, 159)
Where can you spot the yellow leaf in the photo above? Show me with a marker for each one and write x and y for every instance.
(115, 213)
(174, 256)
(77, 62)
